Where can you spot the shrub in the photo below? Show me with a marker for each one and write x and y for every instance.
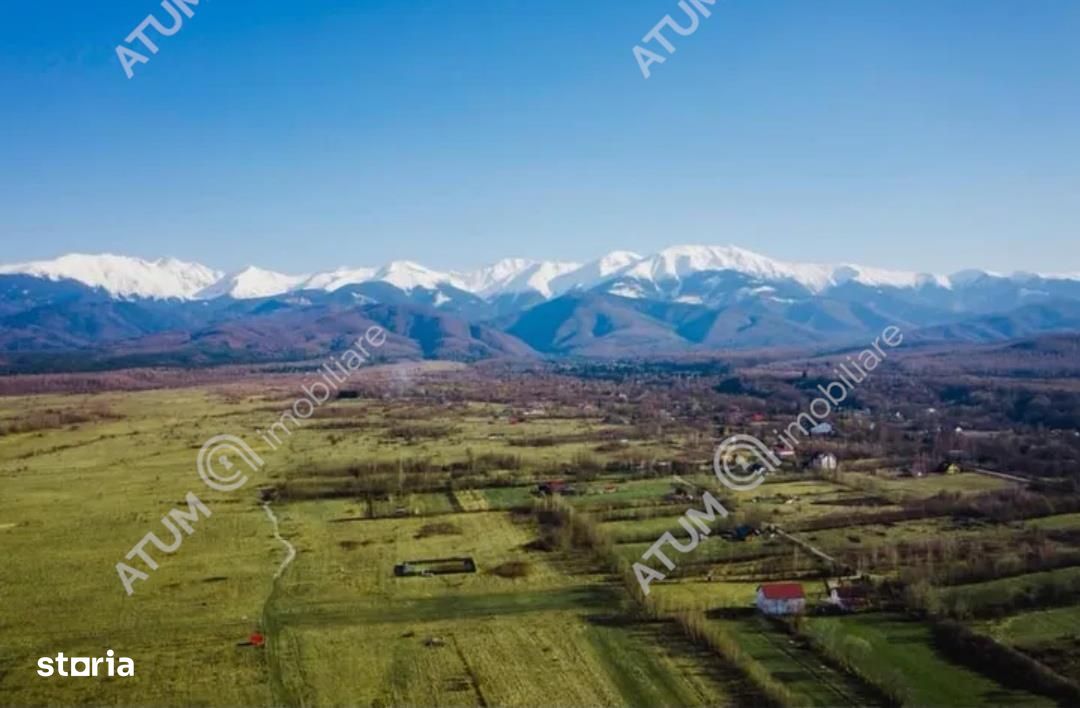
(440, 528)
(513, 569)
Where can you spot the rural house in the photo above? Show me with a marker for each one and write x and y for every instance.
(849, 598)
(781, 599)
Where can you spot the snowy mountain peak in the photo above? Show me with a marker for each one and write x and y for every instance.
(664, 274)
(337, 279)
(677, 262)
(124, 276)
(408, 276)
(252, 282)
(540, 277)
(616, 261)
(494, 278)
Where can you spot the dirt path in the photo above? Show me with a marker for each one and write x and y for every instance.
(290, 554)
(271, 624)
(1001, 475)
(806, 545)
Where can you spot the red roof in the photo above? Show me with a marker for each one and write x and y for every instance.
(783, 591)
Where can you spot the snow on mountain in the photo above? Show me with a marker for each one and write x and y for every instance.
(677, 262)
(595, 272)
(630, 273)
(492, 279)
(539, 277)
(337, 279)
(252, 283)
(408, 276)
(124, 276)
(877, 277)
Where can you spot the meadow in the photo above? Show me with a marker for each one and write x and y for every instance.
(550, 614)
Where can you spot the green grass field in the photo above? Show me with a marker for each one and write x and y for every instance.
(891, 650)
(535, 625)
(342, 628)
(1035, 627)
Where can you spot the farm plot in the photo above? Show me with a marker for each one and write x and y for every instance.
(1007, 595)
(721, 594)
(898, 487)
(515, 638)
(522, 659)
(77, 501)
(898, 656)
(1050, 636)
(926, 543)
(797, 666)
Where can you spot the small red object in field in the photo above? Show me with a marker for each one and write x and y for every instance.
(256, 639)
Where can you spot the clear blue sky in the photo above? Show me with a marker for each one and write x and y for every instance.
(304, 134)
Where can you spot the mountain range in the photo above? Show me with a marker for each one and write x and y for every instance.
(107, 310)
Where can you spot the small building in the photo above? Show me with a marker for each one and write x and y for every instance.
(781, 599)
(825, 463)
(849, 598)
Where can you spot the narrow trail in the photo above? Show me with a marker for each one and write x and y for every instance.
(290, 554)
(807, 546)
(272, 626)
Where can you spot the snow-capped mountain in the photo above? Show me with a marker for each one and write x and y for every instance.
(539, 277)
(408, 276)
(681, 299)
(495, 278)
(124, 276)
(690, 274)
(337, 279)
(679, 262)
(251, 283)
(595, 272)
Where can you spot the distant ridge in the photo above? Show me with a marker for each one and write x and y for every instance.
(125, 276)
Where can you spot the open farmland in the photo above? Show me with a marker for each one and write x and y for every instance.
(539, 512)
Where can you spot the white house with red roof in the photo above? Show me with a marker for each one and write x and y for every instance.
(781, 599)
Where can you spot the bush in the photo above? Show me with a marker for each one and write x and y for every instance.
(440, 528)
(513, 569)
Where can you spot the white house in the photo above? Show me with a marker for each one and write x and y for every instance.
(781, 599)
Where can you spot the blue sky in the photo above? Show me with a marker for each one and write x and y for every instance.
(923, 134)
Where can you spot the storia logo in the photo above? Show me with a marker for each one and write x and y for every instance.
(85, 667)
